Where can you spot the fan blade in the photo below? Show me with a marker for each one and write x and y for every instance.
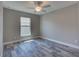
(43, 10)
(30, 8)
(38, 3)
(47, 6)
(35, 11)
(44, 3)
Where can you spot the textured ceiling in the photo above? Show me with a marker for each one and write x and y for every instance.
(23, 6)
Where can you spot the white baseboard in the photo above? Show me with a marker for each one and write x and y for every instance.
(67, 44)
(5, 43)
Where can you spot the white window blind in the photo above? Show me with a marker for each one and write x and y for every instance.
(25, 26)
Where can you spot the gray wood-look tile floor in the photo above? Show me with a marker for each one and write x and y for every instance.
(39, 48)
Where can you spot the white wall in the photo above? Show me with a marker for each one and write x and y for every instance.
(62, 25)
(1, 29)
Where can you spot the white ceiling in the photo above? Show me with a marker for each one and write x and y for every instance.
(23, 6)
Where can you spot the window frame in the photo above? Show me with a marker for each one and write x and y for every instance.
(25, 26)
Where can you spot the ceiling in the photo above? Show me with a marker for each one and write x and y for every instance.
(24, 6)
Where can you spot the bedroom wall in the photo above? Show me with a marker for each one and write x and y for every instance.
(12, 24)
(62, 25)
(1, 29)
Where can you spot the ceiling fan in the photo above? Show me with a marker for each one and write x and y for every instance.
(40, 6)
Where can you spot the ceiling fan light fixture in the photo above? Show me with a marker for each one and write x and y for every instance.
(38, 8)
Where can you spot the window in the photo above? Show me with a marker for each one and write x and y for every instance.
(25, 29)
